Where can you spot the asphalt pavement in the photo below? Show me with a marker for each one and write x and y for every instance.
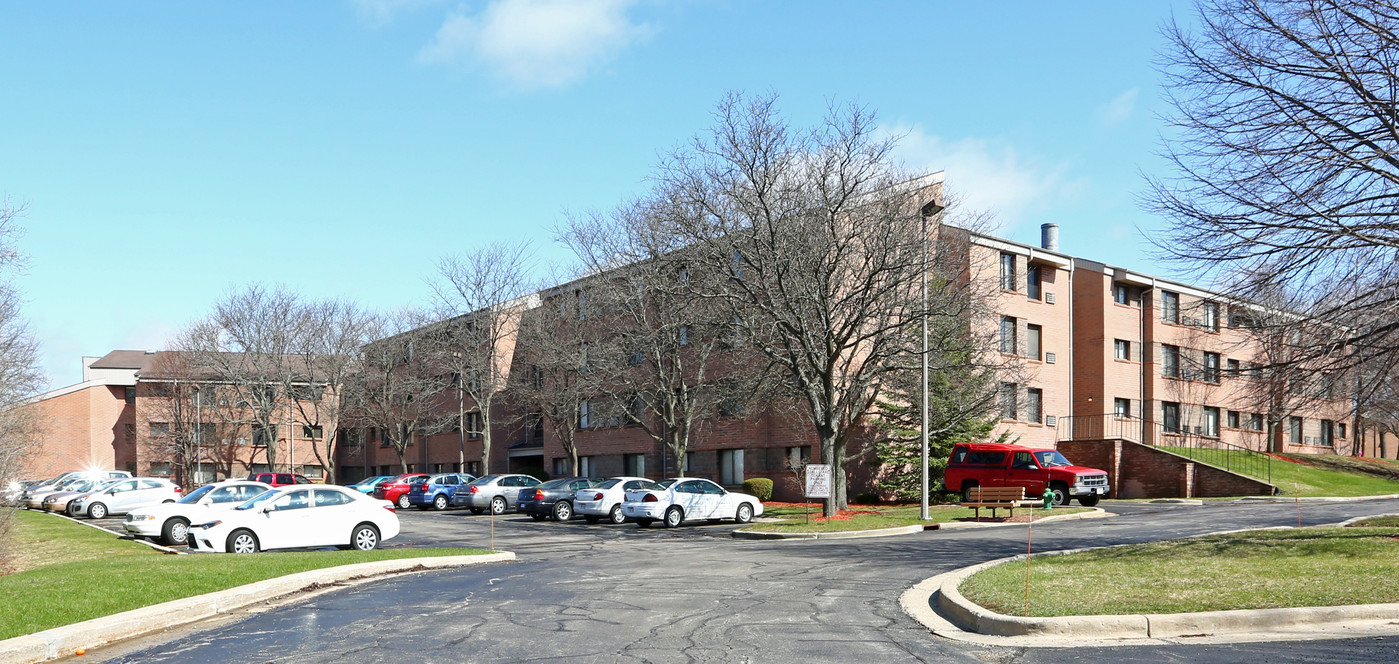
(619, 593)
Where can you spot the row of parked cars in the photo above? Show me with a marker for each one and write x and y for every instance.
(670, 501)
(233, 516)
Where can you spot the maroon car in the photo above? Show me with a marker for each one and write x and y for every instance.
(396, 490)
(280, 479)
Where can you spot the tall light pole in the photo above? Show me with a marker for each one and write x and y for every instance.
(927, 211)
(198, 436)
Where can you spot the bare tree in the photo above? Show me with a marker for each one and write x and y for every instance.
(333, 335)
(668, 360)
(20, 376)
(249, 346)
(175, 416)
(481, 295)
(821, 238)
(1285, 152)
(396, 392)
(552, 346)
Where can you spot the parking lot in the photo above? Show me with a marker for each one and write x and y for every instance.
(625, 594)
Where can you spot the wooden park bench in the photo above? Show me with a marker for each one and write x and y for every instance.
(1003, 497)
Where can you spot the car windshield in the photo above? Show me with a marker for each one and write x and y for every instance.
(259, 500)
(484, 480)
(665, 483)
(418, 480)
(609, 483)
(1051, 459)
(554, 484)
(195, 495)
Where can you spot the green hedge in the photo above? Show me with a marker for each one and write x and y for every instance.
(761, 487)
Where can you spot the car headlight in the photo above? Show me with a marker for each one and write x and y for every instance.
(142, 517)
(210, 524)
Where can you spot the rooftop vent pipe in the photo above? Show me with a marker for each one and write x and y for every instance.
(1049, 237)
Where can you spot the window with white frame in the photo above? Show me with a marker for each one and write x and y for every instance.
(1170, 416)
(1008, 345)
(730, 467)
(1034, 405)
(1008, 400)
(1121, 349)
(1170, 361)
(1211, 427)
(1032, 282)
(1034, 335)
(584, 415)
(1122, 407)
(1170, 307)
(1209, 316)
(1008, 271)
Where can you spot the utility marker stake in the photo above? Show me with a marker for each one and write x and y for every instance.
(1029, 537)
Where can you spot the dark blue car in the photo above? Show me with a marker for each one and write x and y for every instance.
(436, 491)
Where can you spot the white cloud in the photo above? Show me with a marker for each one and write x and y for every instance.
(378, 13)
(1119, 109)
(988, 175)
(537, 43)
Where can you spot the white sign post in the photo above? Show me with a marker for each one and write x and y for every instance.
(818, 480)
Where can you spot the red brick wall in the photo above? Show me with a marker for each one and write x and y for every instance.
(81, 429)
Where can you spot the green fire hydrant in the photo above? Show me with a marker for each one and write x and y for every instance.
(1048, 499)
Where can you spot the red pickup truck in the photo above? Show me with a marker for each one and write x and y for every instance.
(998, 464)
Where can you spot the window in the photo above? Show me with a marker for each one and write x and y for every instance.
(1008, 335)
(1328, 433)
(1008, 272)
(1341, 433)
(1170, 307)
(1170, 417)
(534, 377)
(293, 501)
(637, 357)
(1211, 367)
(1023, 461)
(329, 497)
(1121, 294)
(1034, 334)
(313, 472)
(560, 466)
(1034, 404)
(585, 466)
(1233, 419)
(1008, 401)
(131, 395)
(1255, 422)
(160, 430)
(1211, 421)
(474, 425)
(731, 467)
(582, 302)
(584, 415)
(313, 432)
(796, 457)
(1032, 281)
(1121, 349)
(472, 468)
(264, 435)
(534, 427)
(684, 335)
(634, 465)
(161, 469)
(1294, 430)
(1170, 361)
(1122, 407)
(1231, 368)
(1209, 316)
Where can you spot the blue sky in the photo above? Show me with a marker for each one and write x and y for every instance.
(169, 152)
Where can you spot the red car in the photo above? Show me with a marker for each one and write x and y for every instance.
(999, 465)
(396, 490)
(280, 479)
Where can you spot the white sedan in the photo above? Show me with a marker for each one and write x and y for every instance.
(297, 517)
(688, 498)
(605, 500)
(170, 521)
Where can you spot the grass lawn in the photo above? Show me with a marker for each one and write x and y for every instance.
(1253, 570)
(884, 516)
(68, 572)
(1318, 474)
(1377, 522)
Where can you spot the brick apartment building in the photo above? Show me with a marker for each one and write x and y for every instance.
(1102, 353)
(115, 417)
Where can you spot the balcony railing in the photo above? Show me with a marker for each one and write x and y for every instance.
(1191, 442)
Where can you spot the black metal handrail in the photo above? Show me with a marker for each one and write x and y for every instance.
(1188, 441)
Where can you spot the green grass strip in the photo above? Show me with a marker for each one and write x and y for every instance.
(887, 517)
(91, 574)
(1252, 570)
(1320, 475)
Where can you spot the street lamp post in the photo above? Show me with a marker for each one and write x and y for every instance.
(927, 211)
(198, 436)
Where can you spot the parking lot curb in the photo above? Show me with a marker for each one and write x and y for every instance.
(66, 640)
(1315, 499)
(956, 617)
(1097, 513)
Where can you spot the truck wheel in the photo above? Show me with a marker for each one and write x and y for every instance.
(967, 491)
(1088, 501)
(1061, 494)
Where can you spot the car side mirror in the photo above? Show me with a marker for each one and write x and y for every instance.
(268, 508)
